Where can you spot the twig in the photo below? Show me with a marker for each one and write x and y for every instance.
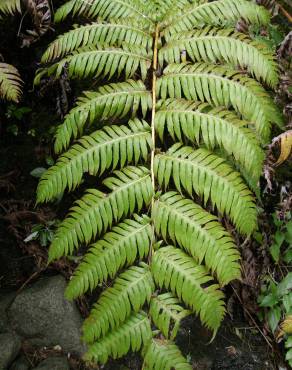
(20, 25)
(252, 319)
(36, 273)
(285, 13)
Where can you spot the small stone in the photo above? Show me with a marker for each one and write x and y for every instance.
(54, 363)
(9, 347)
(42, 315)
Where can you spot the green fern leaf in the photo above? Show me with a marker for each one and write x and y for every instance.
(130, 291)
(105, 9)
(211, 178)
(164, 7)
(95, 212)
(215, 13)
(200, 123)
(222, 111)
(111, 101)
(103, 150)
(9, 7)
(112, 34)
(223, 45)
(10, 83)
(164, 355)
(101, 62)
(167, 313)
(219, 85)
(132, 335)
(199, 233)
(120, 247)
(173, 269)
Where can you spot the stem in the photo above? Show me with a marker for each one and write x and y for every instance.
(154, 105)
(154, 77)
(285, 13)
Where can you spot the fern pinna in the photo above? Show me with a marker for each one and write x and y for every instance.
(176, 123)
(10, 80)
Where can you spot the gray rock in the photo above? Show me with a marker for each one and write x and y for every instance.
(9, 347)
(5, 301)
(42, 315)
(20, 363)
(54, 363)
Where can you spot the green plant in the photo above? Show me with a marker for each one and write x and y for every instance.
(276, 300)
(281, 248)
(9, 7)
(10, 80)
(276, 296)
(15, 115)
(43, 232)
(181, 118)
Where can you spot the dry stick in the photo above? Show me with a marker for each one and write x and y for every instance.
(20, 25)
(252, 319)
(285, 13)
(36, 273)
(154, 77)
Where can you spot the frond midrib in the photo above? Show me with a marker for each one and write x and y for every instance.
(54, 45)
(101, 51)
(175, 314)
(135, 10)
(103, 198)
(93, 148)
(189, 278)
(111, 94)
(195, 224)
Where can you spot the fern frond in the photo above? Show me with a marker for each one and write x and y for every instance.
(131, 189)
(164, 7)
(220, 85)
(201, 123)
(112, 34)
(111, 101)
(215, 13)
(105, 9)
(223, 45)
(10, 83)
(211, 178)
(126, 242)
(167, 313)
(9, 7)
(173, 269)
(164, 355)
(101, 62)
(132, 335)
(199, 233)
(130, 291)
(103, 150)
